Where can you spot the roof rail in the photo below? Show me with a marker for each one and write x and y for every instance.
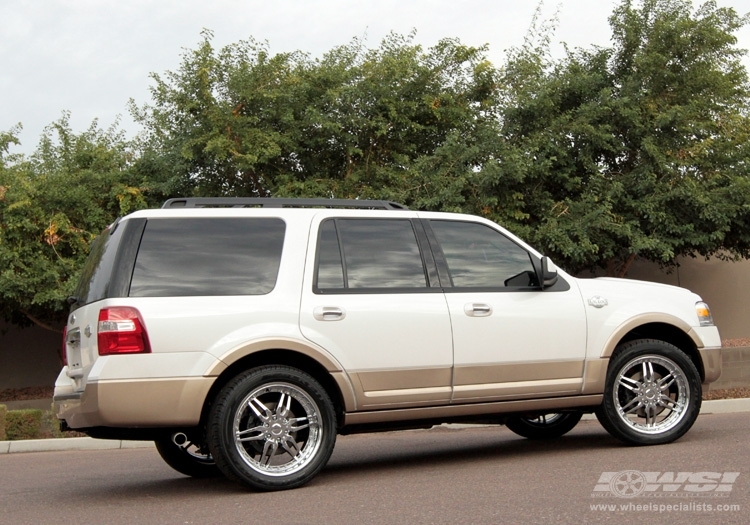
(271, 202)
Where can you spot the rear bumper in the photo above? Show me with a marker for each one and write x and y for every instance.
(147, 403)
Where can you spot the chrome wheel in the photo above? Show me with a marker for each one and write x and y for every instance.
(272, 428)
(543, 420)
(186, 456)
(544, 426)
(276, 429)
(194, 450)
(652, 394)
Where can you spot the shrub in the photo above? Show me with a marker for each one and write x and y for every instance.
(51, 426)
(3, 411)
(23, 424)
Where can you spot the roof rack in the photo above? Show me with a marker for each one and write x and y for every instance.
(271, 202)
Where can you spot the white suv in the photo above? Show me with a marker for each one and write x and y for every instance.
(243, 335)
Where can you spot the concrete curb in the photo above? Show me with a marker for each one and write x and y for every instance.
(716, 406)
(80, 443)
(725, 406)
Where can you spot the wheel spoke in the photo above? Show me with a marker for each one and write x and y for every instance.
(632, 406)
(650, 416)
(629, 383)
(259, 429)
(266, 415)
(295, 427)
(285, 403)
(665, 382)
(648, 371)
(269, 450)
(291, 446)
(667, 402)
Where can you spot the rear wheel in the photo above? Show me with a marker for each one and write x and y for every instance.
(272, 428)
(187, 457)
(544, 426)
(652, 394)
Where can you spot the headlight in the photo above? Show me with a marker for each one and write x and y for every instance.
(704, 314)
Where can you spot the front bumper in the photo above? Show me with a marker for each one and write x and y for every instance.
(711, 359)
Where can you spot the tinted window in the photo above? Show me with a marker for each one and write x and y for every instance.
(97, 271)
(480, 257)
(188, 257)
(330, 269)
(377, 253)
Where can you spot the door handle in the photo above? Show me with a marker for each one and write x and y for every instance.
(328, 313)
(478, 310)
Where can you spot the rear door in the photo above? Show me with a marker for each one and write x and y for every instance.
(371, 298)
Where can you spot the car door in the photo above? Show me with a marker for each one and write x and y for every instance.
(372, 299)
(512, 339)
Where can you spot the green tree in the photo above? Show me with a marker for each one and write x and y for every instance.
(52, 205)
(354, 123)
(638, 150)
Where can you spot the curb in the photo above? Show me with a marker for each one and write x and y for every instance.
(65, 444)
(716, 406)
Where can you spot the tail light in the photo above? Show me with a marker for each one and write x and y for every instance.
(121, 331)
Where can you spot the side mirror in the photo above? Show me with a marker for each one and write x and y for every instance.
(549, 273)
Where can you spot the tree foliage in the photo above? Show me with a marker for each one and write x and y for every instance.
(638, 150)
(354, 123)
(52, 205)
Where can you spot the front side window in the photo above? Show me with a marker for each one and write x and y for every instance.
(358, 254)
(480, 257)
(208, 256)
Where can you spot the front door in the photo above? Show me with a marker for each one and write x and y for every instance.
(512, 340)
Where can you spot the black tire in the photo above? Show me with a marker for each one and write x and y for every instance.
(544, 426)
(272, 428)
(652, 394)
(187, 458)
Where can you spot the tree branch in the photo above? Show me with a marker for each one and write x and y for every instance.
(41, 324)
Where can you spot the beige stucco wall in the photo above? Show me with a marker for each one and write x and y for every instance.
(724, 285)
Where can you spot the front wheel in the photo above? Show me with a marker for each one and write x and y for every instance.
(652, 394)
(544, 426)
(272, 428)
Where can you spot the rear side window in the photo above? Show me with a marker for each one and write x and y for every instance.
(200, 257)
(361, 254)
(97, 272)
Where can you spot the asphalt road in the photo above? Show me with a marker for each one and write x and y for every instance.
(470, 476)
